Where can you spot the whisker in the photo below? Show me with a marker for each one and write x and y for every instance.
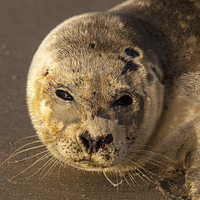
(137, 172)
(26, 138)
(46, 165)
(153, 162)
(43, 157)
(148, 151)
(56, 161)
(17, 161)
(114, 184)
(14, 153)
(59, 174)
(140, 174)
(128, 182)
(133, 179)
(25, 150)
(117, 181)
(47, 155)
(144, 169)
(149, 172)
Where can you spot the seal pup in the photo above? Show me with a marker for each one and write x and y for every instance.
(119, 90)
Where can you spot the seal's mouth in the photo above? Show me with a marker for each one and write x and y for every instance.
(87, 164)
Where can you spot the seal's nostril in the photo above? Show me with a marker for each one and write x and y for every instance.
(102, 142)
(86, 142)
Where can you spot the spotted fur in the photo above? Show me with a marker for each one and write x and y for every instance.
(113, 91)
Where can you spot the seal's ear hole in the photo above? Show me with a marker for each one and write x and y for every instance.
(131, 52)
(64, 95)
(125, 100)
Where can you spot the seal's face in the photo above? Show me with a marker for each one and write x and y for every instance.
(94, 97)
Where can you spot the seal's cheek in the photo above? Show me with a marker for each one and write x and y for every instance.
(68, 114)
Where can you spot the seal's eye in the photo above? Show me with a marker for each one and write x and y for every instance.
(64, 95)
(125, 100)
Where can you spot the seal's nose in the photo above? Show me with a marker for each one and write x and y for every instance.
(90, 145)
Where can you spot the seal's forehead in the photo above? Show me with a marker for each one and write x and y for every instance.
(79, 35)
(90, 41)
(88, 64)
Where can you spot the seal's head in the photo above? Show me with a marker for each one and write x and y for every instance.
(95, 92)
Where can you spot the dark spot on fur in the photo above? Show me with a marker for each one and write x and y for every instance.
(100, 55)
(149, 77)
(131, 137)
(102, 113)
(122, 59)
(47, 72)
(128, 138)
(94, 93)
(154, 70)
(107, 157)
(130, 66)
(131, 52)
(92, 45)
